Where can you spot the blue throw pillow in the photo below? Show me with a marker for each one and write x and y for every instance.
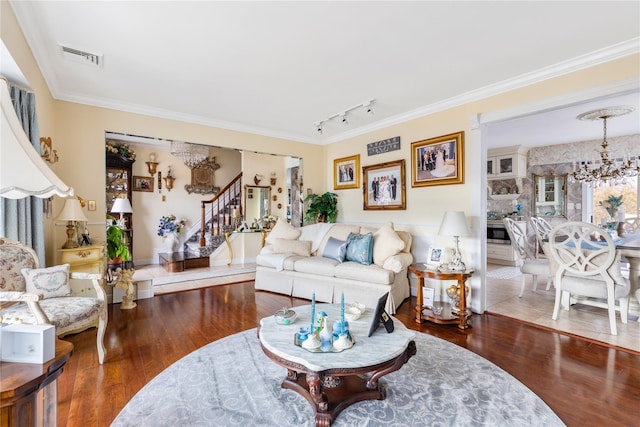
(360, 248)
(335, 249)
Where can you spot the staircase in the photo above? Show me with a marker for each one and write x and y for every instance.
(207, 234)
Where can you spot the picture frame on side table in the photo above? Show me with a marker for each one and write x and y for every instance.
(346, 172)
(384, 186)
(381, 316)
(142, 183)
(435, 257)
(438, 161)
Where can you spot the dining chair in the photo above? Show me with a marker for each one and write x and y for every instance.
(541, 227)
(525, 253)
(589, 268)
(632, 224)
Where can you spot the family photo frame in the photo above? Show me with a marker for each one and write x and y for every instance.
(142, 183)
(438, 161)
(346, 172)
(435, 256)
(384, 186)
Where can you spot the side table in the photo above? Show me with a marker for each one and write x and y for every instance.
(462, 318)
(22, 385)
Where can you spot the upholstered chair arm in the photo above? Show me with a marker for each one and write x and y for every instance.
(398, 262)
(32, 303)
(95, 281)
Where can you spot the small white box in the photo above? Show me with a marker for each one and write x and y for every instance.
(27, 343)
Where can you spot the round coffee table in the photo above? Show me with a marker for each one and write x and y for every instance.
(333, 381)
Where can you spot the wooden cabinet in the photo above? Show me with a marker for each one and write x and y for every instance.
(507, 162)
(118, 184)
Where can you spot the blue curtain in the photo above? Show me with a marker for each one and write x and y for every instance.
(22, 219)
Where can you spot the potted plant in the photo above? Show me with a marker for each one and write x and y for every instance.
(321, 208)
(117, 244)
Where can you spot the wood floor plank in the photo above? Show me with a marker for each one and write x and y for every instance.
(583, 382)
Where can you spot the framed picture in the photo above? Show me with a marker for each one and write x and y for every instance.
(438, 161)
(435, 256)
(142, 183)
(384, 186)
(91, 205)
(381, 316)
(345, 172)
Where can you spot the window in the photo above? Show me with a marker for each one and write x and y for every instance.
(594, 196)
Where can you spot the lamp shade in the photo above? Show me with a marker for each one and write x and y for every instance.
(121, 205)
(72, 211)
(454, 223)
(23, 173)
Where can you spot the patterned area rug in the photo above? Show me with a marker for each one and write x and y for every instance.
(231, 382)
(504, 273)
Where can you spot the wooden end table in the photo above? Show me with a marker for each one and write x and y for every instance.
(462, 317)
(23, 384)
(333, 381)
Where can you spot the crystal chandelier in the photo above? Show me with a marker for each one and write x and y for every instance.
(610, 170)
(190, 154)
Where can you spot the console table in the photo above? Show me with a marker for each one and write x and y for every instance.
(462, 318)
(333, 381)
(22, 385)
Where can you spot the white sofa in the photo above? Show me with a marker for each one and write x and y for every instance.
(292, 263)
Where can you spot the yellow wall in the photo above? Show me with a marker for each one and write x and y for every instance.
(78, 135)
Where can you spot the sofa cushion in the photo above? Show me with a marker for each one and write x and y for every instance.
(49, 282)
(316, 265)
(386, 243)
(407, 239)
(360, 248)
(67, 313)
(297, 247)
(335, 249)
(364, 273)
(338, 231)
(283, 230)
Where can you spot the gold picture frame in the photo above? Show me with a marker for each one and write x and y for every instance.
(438, 161)
(384, 186)
(142, 183)
(345, 172)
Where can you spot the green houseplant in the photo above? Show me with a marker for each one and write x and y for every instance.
(117, 243)
(321, 207)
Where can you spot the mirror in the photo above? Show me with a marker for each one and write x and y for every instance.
(256, 202)
(550, 197)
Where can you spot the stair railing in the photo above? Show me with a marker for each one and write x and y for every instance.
(221, 211)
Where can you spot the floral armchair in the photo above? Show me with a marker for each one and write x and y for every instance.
(29, 294)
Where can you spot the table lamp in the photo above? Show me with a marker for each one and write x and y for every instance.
(454, 223)
(71, 212)
(121, 205)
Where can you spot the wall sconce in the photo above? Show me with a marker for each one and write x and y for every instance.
(274, 177)
(168, 180)
(257, 178)
(152, 165)
(46, 151)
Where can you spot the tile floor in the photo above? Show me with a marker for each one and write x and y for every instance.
(537, 307)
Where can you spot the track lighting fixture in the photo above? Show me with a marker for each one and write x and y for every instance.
(367, 106)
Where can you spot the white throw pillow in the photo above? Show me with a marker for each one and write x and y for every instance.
(283, 230)
(297, 247)
(386, 243)
(49, 282)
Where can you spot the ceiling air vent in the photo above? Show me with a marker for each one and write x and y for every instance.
(81, 56)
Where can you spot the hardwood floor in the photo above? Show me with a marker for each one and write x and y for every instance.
(583, 382)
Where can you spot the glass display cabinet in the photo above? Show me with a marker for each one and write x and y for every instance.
(118, 184)
(550, 197)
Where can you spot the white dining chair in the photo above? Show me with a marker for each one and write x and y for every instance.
(527, 260)
(589, 268)
(541, 227)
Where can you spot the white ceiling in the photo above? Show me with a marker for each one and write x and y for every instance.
(276, 68)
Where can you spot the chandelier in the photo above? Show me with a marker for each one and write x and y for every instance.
(190, 154)
(609, 170)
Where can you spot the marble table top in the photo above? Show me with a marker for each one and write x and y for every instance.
(367, 351)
